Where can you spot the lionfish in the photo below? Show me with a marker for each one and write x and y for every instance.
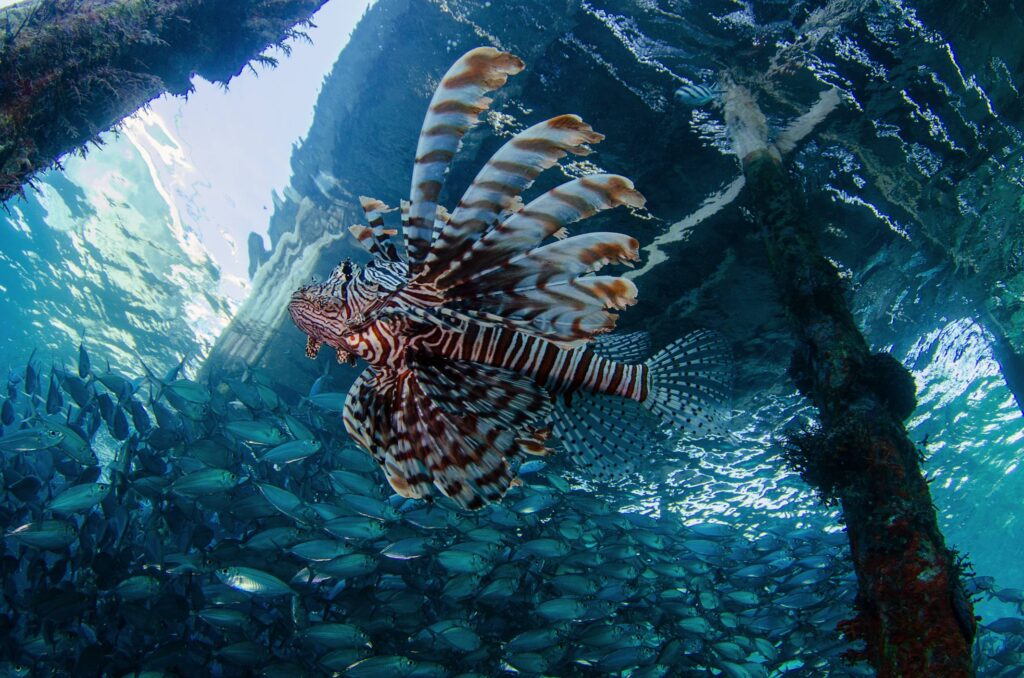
(482, 339)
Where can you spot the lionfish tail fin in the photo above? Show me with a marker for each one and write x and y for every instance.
(691, 383)
(457, 102)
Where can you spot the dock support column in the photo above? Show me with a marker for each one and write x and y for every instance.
(912, 611)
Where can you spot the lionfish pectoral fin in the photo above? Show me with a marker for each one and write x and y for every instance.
(372, 418)
(691, 383)
(604, 435)
(312, 347)
(447, 424)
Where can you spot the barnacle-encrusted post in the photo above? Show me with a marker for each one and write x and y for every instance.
(913, 613)
(71, 70)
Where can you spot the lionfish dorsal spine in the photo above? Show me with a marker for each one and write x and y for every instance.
(457, 102)
(497, 187)
(545, 216)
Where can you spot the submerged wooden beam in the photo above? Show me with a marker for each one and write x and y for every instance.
(71, 69)
(912, 612)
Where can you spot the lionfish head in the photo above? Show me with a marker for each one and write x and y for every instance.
(323, 310)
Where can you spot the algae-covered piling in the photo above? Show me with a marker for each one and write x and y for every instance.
(71, 69)
(913, 614)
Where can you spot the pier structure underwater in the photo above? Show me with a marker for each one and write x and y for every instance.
(913, 612)
(72, 69)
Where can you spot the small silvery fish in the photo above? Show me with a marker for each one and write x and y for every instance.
(207, 481)
(255, 582)
(121, 387)
(51, 535)
(351, 565)
(331, 402)
(284, 501)
(562, 609)
(140, 587)
(80, 390)
(697, 95)
(345, 482)
(84, 364)
(243, 653)
(7, 415)
(224, 618)
(320, 549)
(355, 527)
(535, 640)
(370, 507)
(477, 333)
(452, 633)
(339, 660)
(31, 440)
(256, 432)
(274, 539)
(298, 430)
(461, 561)
(79, 497)
(385, 666)
(189, 391)
(336, 636)
(406, 549)
(54, 398)
(295, 450)
(544, 548)
(248, 394)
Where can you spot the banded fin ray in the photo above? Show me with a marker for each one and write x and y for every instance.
(546, 292)
(496, 188)
(371, 418)
(545, 216)
(605, 436)
(631, 348)
(374, 238)
(568, 313)
(691, 383)
(448, 424)
(457, 102)
(553, 263)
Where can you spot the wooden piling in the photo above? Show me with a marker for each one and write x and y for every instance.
(912, 612)
(70, 70)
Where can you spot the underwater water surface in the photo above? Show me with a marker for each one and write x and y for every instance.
(180, 494)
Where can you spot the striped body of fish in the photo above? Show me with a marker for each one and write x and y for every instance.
(697, 95)
(487, 334)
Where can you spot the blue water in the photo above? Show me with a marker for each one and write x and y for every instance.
(919, 184)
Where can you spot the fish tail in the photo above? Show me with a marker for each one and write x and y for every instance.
(690, 383)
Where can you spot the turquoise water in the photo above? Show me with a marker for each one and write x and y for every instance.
(715, 558)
